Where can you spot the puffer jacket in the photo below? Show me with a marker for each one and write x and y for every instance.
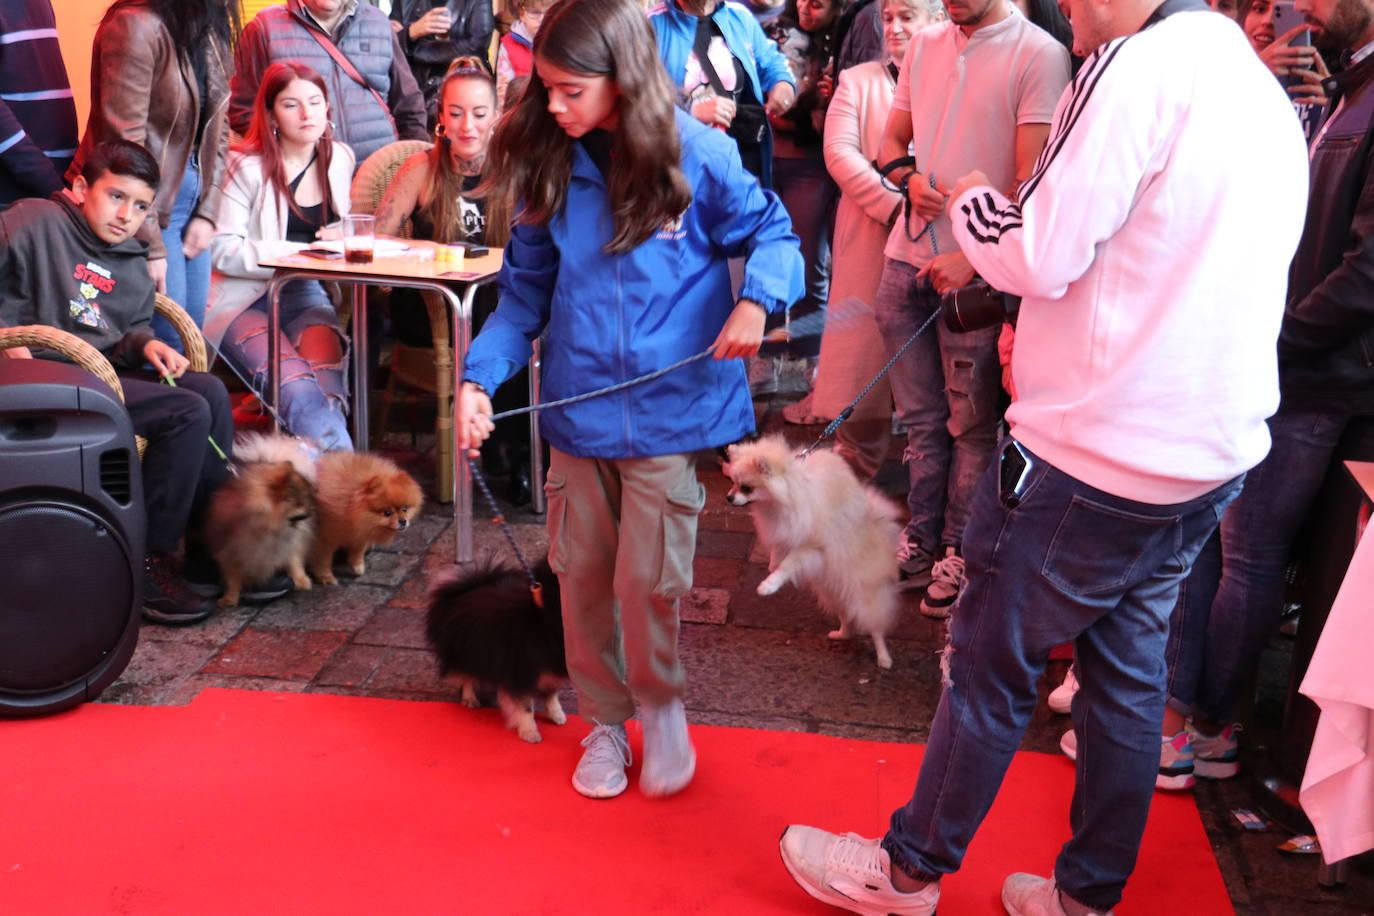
(284, 33)
(1326, 346)
(611, 318)
(142, 91)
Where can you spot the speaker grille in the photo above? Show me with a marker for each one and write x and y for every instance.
(67, 596)
(114, 475)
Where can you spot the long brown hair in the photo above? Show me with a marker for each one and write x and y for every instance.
(446, 182)
(261, 139)
(531, 155)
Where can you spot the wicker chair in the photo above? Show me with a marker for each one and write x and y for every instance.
(76, 350)
(428, 369)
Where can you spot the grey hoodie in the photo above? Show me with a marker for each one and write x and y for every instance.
(55, 271)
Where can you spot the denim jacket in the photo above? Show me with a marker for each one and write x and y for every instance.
(610, 318)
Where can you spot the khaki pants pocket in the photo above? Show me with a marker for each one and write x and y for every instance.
(556, 495)
(680, 511)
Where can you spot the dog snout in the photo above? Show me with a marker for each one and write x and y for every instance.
(402, 523)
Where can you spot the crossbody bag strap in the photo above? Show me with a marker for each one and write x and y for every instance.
(351, 71)
(701, 46)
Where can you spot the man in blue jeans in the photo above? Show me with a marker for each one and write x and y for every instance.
(998, 78)
(1152, 278)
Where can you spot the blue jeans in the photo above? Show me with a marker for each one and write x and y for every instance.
(188, 280)
(1070, 562)
(314, 395)
(947, 388)
(808, 193)
(1232, 602)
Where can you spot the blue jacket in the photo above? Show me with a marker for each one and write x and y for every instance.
(614, 317)
(763, 62)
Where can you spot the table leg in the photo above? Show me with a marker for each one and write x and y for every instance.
(536, 440)
(361, 365)
(462, 474)
(274, 349)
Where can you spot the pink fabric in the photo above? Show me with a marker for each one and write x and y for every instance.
(1338, 788)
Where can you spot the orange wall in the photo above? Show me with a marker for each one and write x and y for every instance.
(76, 22)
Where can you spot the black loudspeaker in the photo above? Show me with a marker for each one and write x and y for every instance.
(71, 537)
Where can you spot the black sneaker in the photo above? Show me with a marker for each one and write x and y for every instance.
(203, 578)
(166, 598)
(914, 564)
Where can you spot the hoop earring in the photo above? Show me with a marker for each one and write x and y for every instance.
(439, 130)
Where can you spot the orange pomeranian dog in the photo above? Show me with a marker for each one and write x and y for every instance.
(362, 500)
(261, 521)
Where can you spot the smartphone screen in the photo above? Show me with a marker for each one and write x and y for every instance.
(1013, 468)
(324, 254)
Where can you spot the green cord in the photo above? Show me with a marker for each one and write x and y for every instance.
(213, 444)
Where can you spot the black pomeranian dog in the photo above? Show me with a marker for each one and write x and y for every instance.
(487, 631)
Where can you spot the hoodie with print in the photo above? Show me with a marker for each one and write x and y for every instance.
(55, 271)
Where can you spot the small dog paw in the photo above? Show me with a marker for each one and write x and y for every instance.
(228, 601)
(557, 716)
(327, 579)
(841, 633)
(884, 661)
(358, 569)
(770, 585)
(470, 701)
(531, 735)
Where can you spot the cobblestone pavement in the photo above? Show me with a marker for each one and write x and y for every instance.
(753, 662)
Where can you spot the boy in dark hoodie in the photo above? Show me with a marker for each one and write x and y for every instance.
(72, 262)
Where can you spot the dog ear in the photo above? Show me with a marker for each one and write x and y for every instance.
(371, 486)
(279, 479)
(760, 467)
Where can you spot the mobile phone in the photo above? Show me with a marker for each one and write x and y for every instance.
(1285, 18)
(473, 250)
(1014, 467)
(324, 254)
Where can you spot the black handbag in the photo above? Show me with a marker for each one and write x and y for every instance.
(973, 306)
(749, 127)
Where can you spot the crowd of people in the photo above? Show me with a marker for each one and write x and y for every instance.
(1121, 459)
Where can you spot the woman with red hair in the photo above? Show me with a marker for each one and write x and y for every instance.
(287, 180)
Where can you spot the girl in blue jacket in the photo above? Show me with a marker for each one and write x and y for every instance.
(629, 210)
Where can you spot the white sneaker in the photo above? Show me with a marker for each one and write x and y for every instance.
(850, 872)
(1061, 697)
(1032, 895)
(1215, 756)
(601, 771)
(1175, 760)
(670, 761)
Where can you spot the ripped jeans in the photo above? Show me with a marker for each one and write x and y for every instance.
(314, 392)
(947, 388)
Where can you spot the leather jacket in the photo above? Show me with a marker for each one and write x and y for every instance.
(142, 91)
(1326, 346)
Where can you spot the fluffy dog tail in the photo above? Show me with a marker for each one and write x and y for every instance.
(275, 447)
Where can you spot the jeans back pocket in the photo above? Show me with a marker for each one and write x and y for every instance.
(1098, 550)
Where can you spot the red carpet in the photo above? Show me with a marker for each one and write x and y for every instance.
(280, 803)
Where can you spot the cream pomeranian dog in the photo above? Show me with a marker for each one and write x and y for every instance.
(823, 529)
